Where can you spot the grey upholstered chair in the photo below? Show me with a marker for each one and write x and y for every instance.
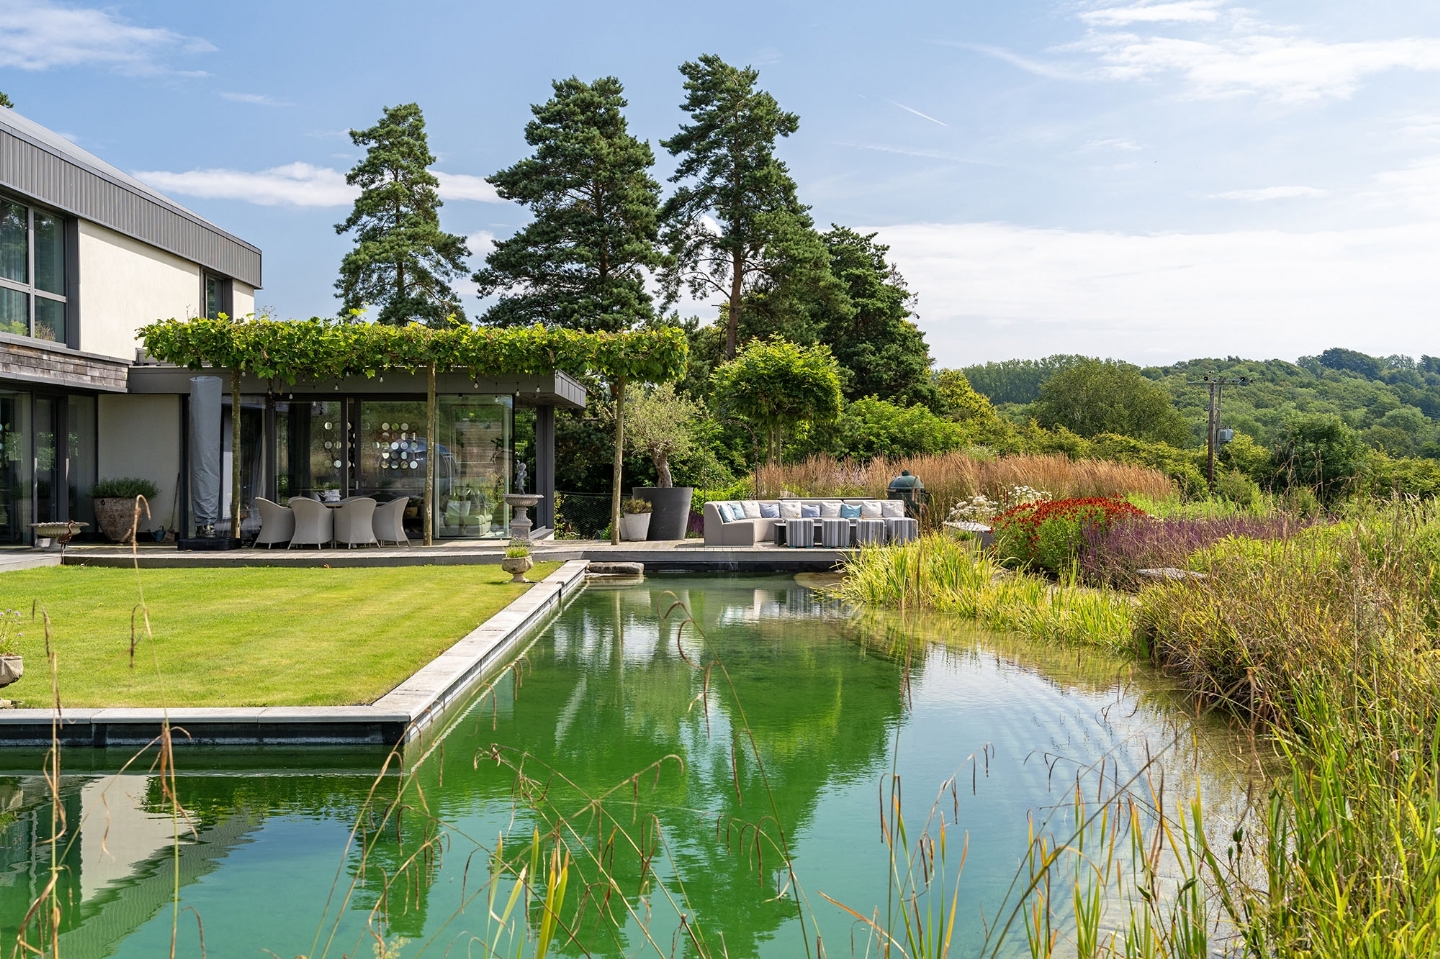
(314, 522)
(277, 523)
(354, 523)
(389, 522)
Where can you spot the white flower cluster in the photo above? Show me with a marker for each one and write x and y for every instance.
(982, 509)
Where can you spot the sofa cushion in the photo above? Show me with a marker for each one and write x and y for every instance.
(892, 507)
(829, 509)
(731, 512)
(870, 509)
(809, 510)
(850, 511)
(769, 510)
(789, 510)
(751, 508)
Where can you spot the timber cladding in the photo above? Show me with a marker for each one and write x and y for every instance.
(61, 367)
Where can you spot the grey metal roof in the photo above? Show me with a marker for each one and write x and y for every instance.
(45, 166)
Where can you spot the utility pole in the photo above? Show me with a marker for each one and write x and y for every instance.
(1212, 433)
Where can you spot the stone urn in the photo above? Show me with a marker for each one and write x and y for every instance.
(517, 567)
(116, 516)
(520, 523)
(11, 669)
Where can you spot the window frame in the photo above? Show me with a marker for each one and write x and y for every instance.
(29, 288)
(224, 290)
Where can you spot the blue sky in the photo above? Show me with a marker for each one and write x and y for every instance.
(1146, 180)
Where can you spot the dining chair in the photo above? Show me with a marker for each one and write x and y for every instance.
(354, 523)
(389, 521)
(277, 523)
(314, 522)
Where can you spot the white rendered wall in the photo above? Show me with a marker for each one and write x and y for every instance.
(125, 284)
(243, 298)
(140, 436)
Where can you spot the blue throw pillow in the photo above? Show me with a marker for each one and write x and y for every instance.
(725, 515)
(735, 512)
(769, 510)
(850, 511)
(809, 512)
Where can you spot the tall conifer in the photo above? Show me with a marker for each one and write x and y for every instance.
(582, 261)
(402, 262)
(735, 225)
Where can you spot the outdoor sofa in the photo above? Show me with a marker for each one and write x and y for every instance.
(759, 518)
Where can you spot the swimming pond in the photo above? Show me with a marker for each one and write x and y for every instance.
(741, 772)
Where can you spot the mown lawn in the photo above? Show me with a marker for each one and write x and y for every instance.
(245, 637)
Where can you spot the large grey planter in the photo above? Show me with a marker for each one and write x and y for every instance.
(671, 505)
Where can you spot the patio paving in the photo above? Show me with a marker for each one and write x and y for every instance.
(663, 555)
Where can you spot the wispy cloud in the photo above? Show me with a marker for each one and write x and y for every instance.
(913, 152)
(1283, 68)
(1041, 68)
(923, 116)
(258, 99)
(295, 184)
(1270, 193)
(40, 35)
(1112, 143)
(1185, 11)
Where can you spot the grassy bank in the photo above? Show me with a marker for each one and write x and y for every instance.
(245, 637)
(1324, 639)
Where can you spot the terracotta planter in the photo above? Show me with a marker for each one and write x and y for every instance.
(11, 669)
(517, 566)
(634, 527)
(115, 514)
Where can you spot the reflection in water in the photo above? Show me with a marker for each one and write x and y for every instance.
(831, 704)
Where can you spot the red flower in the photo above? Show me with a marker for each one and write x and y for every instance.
(1098, 511)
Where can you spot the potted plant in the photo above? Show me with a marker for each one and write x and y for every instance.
(115, 504)
(634, 519)
(658, 423)
(12, 666)
(517, 562)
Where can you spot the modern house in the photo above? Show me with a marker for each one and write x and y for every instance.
(89, 254)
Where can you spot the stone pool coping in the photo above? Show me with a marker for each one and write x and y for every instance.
(401, 715)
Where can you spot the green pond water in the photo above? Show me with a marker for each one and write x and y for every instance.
(833, 704)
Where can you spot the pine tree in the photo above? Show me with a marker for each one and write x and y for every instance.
(402, 262)
(582, 261)
(6, 102)
(882, 350)
(735, 226)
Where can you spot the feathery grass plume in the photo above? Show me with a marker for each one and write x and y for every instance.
(953, 478)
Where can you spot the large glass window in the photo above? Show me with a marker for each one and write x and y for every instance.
(32, 272)
(472, 465)
(15, 477)
(310, 447)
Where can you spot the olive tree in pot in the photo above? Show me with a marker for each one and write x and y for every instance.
(658, 423)
(634, 519)
(115, 505)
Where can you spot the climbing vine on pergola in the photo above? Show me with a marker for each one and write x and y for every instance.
(315, 349)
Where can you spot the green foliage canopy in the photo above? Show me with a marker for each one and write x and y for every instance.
(777, 384)
(659, 423)
(1104, 396)
(1319, 451)
(582, 261)
(882, 351)
(403, 262)
(291, 350)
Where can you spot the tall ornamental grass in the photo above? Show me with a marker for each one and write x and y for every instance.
(1328, 641)
(943, 573)
(1114, 556)
(955, 477)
